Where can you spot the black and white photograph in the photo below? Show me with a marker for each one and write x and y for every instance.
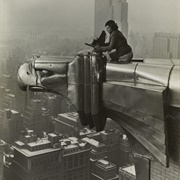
(89, 89)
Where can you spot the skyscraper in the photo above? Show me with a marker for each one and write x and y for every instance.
(11, 125)
(166, 46)
(76, 155)
(2, 144)
(36, 117)
(116, 10)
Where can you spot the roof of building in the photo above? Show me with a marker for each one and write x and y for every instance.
(39, 142)
(71, 116)
(52, 135)
(130, 169)
(93, 142)
(86, 131)
(105, 164)
(71, 146)
(67, 144)
(29, 154)
(19, 143)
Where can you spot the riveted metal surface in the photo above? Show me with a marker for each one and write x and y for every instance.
(54, 59)
(147, 101)
(76, 82)
(87, 85)
(174, 87)
(87, 90)
(153, 74)
(94, 86)
(163, 62)
(75, 91)
(75, 70)
(53, 64)
(57, 83)
(120, 72)
(158, 134)
(155, 123)
(94, 99)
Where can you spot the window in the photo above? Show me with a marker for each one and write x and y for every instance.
(75, 161)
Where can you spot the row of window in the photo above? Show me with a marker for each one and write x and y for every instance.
(78, 175)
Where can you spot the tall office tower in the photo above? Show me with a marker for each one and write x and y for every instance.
(16, 57)
(5, 53)
(20, 99)
(36, 116)
(116, 10)
(2, 144)
(2, 94)
(15, 101)
(166, 46)
(111, 138)
(9, 101)
(8, 82)
(1, 70)
(54, 104)
(76, 163)
(67, 123)
(11, 122)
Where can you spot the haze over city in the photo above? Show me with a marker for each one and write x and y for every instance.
(76, 18)
(73, 107)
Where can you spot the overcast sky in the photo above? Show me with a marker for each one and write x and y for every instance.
(154, 15)
(144, 15)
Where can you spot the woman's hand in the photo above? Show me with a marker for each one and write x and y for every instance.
(97, 48)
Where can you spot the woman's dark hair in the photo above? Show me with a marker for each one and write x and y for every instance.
(112, 24)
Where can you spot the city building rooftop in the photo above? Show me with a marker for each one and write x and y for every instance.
(86, 131)
(93, 142)
(71, 116)
(130, 169)
(105, 164)
(52, 135)
(45, 145)
(39, 142)
(29, 153)
(19, 143)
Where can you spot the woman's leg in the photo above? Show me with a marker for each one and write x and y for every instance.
(126, 58)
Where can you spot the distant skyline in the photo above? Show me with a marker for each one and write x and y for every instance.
(144, 16)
